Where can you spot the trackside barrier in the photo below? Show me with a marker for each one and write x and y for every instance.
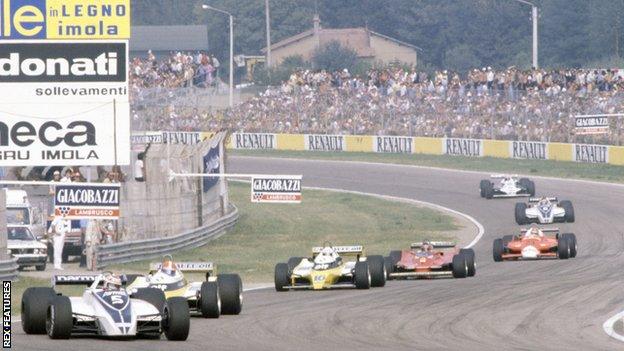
(8, 269)
(145, 249)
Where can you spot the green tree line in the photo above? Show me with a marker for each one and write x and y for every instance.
(453, 34)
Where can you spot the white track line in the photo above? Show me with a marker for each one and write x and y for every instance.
(608, 326)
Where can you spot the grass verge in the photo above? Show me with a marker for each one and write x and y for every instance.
(271, 233)
(600, 172)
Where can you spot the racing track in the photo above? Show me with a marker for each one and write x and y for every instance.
(548, 305)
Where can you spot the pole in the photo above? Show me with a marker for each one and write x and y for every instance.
(231, 61)
(535, 58)
(268, 33)
(115, 129)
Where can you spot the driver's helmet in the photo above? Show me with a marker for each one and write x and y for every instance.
(327, 255)
(111, 282)
(426, 246)
(534, 231)
(544, 201)
(168, 267)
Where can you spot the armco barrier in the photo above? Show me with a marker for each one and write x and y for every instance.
(8, 269)
(144, 249)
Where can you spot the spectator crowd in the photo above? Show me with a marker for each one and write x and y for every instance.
(510, 104)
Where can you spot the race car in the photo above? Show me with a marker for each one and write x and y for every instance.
(429, 259)
(509, 186)
(535, 243)
(104, 309)
(218, 294)
(331, 267)
(544, 210)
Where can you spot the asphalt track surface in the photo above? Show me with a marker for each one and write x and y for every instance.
(538, 305)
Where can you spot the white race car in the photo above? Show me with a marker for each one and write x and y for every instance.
(509, 186)
(544, 210)
(105, 308)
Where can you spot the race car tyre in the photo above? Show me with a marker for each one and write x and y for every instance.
(498, 248)
(531, 188)
(563, 248)
(154, 296)
(389, 266)
(520, 213)
(489, 190)
(41, 267)
(176, 319)
(362, 275)
(460, 266)
(569, 210)
(395, 256)
(294, 262)
(59, 319)
(377, 270)
(572, 243)
(231, 292)
(470, 258)
(282, 277)
(482, 186)
(209, 303)
(35, 303)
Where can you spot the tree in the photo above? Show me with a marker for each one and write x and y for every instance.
(333, 56)
(462, 58)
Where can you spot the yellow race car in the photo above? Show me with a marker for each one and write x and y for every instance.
(331, 267)
(218, 294)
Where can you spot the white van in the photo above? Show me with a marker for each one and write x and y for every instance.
(20, 212)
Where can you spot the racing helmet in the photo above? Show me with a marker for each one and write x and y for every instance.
(534, 230)
(327, 255)
(426, 246)
(168, 267)
(111, 281)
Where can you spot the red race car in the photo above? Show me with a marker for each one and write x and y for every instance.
(429, 260)
(535, 243)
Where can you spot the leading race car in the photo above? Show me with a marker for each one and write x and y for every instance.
(105, 308)
(535, 243)
(509, 186)
(431, 259)
(331, 267)
(544, 210)
(218, 294)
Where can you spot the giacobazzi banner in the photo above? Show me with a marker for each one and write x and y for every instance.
(87, 201)
(64, 103)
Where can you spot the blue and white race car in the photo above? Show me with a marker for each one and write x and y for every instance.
(105, 308)
(544, 210)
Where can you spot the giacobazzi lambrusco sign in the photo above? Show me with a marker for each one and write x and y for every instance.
(76, 201)
(64, 103)
(276, 189)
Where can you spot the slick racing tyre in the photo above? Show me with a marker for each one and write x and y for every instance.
(563, 248)
(482, 186)
(362, 275)
(470, 258)
(209, 303)
(282, 277)
(571, 238)
(154, 296)
(498, 248)
(35, 302)
(520, 213)
(231, 292)
(59, 320)
(569, 210)
(377, 270)
(460, 266)
(488, 190)
(176, 319)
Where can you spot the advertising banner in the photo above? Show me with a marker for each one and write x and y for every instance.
(64, 19)
(276, 189)
(323, 142)
(253, 141)
(463, 147)
(590, 153)
(531, 150)
(393, 144)
(591, 124)
(64, 103)
(87, 201)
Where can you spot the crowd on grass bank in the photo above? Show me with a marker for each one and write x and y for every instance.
(510, 104)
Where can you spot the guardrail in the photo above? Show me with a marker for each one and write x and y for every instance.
(8, 269)
(144, 249)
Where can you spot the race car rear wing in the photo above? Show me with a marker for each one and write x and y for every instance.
(537, 199)
(435, 244)
(544, 230)
(200, 267)
(342, 250)
(500, 176)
